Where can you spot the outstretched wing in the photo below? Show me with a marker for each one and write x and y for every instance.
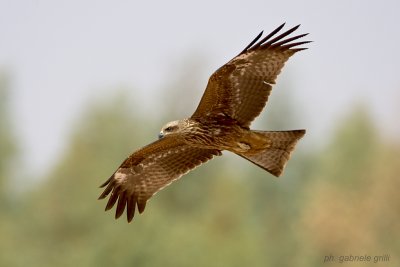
(241, 87)
(150, 169)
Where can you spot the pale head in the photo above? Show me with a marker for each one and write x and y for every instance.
(173, 127)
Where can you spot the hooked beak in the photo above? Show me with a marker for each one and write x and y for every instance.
(160, 135)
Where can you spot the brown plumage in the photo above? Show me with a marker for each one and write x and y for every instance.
(236, 94)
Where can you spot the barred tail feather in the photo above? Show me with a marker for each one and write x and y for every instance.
(274, 158)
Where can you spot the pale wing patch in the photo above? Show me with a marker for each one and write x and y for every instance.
(135, 184)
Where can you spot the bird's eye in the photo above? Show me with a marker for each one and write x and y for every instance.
(168, 128)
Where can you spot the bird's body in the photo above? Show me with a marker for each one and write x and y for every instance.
(222, 133)
(216, 132)
(236, 93)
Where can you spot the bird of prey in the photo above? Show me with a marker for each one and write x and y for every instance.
(236, 94)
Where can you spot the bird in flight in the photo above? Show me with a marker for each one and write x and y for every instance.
(235, 94)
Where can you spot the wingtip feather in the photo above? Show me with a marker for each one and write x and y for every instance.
(120, 205)
(277, 41)
(252, 42)
(106, 182)
(107, 191)
(296, 44)
(113, 198)
(141, 206)
(130, 208)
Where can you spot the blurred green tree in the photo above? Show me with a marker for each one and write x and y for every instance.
(8, 145)
(227, 213)
(277, 202)
(8, 158)
(352, 206)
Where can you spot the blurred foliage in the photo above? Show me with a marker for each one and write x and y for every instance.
(353, 205)
(341, 200)
(8, 144)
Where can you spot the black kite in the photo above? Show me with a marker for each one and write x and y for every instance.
(236, 94)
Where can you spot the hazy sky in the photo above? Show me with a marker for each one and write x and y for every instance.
(61, 54)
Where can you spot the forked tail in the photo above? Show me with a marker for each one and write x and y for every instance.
(273, 159)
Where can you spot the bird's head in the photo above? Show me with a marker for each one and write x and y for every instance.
(170, 128)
